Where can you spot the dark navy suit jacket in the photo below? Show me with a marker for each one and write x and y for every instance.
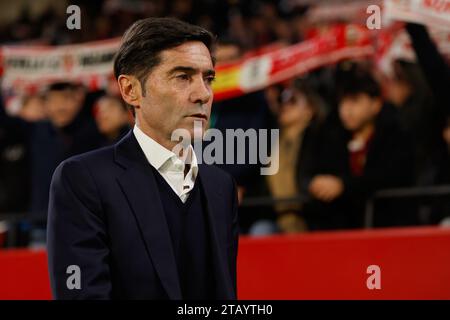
(106, 217)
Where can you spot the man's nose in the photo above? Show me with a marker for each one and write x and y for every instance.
(201, 92)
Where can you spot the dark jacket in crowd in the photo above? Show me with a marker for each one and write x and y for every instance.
(260, 187)
(388, 165)
(104, 141)
(14, 164)
(437, 73)
(245, 112)
(50, 146)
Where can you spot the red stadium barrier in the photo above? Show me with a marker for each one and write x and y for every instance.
(24, 275)
(414, 264)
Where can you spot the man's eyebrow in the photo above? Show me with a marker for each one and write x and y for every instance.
(190, 70)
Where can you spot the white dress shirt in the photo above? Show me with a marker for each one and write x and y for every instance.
(168, 164)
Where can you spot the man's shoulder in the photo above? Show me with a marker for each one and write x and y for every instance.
(95, 160)
(99, 156)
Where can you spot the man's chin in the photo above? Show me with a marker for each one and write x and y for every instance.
(197, 133)
(197, 128)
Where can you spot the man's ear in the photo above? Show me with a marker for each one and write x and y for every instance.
(130, 89)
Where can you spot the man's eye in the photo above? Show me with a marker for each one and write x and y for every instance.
(210, 79)
(183, 77)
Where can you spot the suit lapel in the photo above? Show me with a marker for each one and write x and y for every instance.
(220, 261)
(139, 185)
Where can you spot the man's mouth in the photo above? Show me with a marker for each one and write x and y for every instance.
(199, 116)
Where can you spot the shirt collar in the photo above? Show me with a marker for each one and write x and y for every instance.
(157, 155)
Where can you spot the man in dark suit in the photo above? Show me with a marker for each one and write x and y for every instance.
(135, 220)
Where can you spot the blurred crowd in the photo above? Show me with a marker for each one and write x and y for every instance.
(253, 23)
(346, 130)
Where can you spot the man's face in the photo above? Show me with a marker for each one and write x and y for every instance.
(227, 53)
(111, 116)
(356, 111)
(63, 106)
(178, 91)
(295, 111)
(446, 134)
(397, 91)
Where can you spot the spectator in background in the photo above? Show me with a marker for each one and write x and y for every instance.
(249, 111)
(15, 159)
(442, 211)
(33, 109)
(300, 113)
(228, 50)
(437, 74)
(112, 118)
(434, 66)
(69, 130)
(446, 134)
(364, 151)
(409, 92)
(445, 179)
